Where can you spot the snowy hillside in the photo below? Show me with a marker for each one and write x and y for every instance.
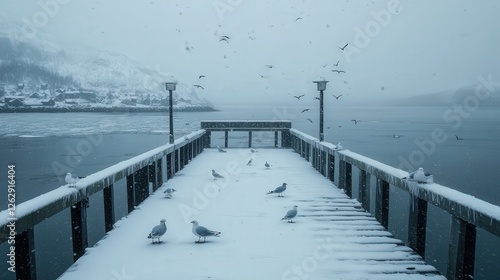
(112, 77)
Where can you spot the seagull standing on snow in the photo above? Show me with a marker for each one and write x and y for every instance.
(267, 165)
(221, 150)
(216, 175)
(279, 190)
(249, 162)
(203, 232)
(168, 192)
(421, 176)
(71, 179)
(290, 214)
(158, 231)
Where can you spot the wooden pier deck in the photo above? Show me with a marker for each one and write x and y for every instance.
(333, 237)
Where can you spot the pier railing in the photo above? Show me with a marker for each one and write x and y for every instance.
(143, 174)
(467, 212)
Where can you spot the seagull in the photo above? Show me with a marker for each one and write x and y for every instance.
(71, 179)
(249, 162)
(224, 39)
(305, 110)
(198, 86)
(290, 214)
(279, 190)
(338, 147)
(203, 232)
(396, 136)
(458, 138)
(343, 48)
(298, 18)
(311, 121)
(216, 175)
(168, 192)
(338, 71)
(337, 97)
(267, 165)
(158, 231)
(262, 76)
(336, 64)
(269, 66)
(253, 151)
(420, 176)
(317, 98)
(221, 150)
(201, 76)
(355, 121)
(298, 97)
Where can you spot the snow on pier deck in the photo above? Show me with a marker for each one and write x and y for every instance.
(332, 237)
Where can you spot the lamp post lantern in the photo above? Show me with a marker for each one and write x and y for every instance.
(170, 86)
(321, 88)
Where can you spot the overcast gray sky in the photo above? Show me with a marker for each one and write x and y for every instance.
(396, 48)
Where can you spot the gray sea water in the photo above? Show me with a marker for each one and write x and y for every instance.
(45, 146)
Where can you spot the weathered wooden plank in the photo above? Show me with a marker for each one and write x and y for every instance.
(24, 255)
(79, 228)
(462, 249)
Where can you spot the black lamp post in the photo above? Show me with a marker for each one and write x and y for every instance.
(170, 86)
(321, 88)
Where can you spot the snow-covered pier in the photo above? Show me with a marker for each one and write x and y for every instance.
(332, 237)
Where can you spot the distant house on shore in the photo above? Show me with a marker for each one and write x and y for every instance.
(20, 86)
(14, 101)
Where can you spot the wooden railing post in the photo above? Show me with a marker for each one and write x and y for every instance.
(152, 176)
(159, 174)
(79, 228)
(364, 189)
(109, 212)
(141, 185)
(382, 203)
(170, 166)
(345, 177)
(207, 139)
(462, 250)
(249, 138)
(276, 139)
(24, 255)
(417, 225)
(226, 138)
(331, 167)
(130, 193)
(323, 163)
(176, 154)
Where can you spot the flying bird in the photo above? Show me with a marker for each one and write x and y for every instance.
(338, 71)
(420, 176)
(343, 48)
(311, 121)
(224, 39)
(198, 86)
(71, 179)
(279, 190)
(158, 231)
(290, 214)
(267, 165)
(316, 98)
(216, 175)
(262, 76)
(305, 110)
(337, 97)
(269, 66)
(201, 76)
(336, 64)
(168, 192)
(458, 138)
(355, 121)
(203, 232)
(298, 18)
(249, 162)
(298, 97)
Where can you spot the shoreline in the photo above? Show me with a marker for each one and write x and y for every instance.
(102, 109)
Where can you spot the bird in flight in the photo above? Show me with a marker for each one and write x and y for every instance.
(458, 138)
(305, 110)
(343, 48)
(198, 86)
(316, 98)
(269, 66)
(262, 76)
(298, 97)
(298, 18)
(338, 71)
(340, 126)
(337, 97)
(311, 121)
(324, 65)
(355, 121)
(336, 64)
(201, 76)
(224, 39)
